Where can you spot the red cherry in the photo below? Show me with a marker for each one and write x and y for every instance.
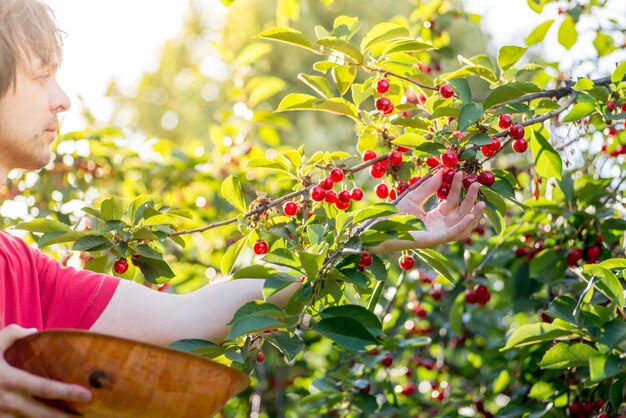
(331, 196)
(402, 186)
(406, 262)
(612, 131)
(377, 171)
(432, 161)
(495, 144)
(403, 149)
(260, 357)
(487, 152)
(387, 360)
(446, 91)
(343, 196)
(624, 107)
(382, 86)
(356, 194)
(384, 105)
(318, 193)
(449, 159)
(486, 178)
(575, 407)
(120, 266)
(341, 205)
(336, 175)
(382, 191)
(408, 389)
(592, 254)
(327, 183)
(469, 179)
(135, 259)
(395, 157)
(411, 97)
(290, 208)
(517, 131)
(260, 247)
(366, 258)
(448, 175)
(470, 296)
(520, 145)
(480, 407)
(369, 155)
(610, 106)
(574, 256)
(599, 238)
(393, 194)
(422, 98)
(420, 311)
(505, 121)
(442, 192)
(414, 180)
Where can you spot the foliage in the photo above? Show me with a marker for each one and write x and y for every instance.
(523, 319)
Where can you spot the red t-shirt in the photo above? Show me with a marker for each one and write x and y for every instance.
(37, 292)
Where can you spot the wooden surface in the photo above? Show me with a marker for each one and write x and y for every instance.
(128, 378)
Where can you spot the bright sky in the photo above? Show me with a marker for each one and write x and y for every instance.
(121, 39)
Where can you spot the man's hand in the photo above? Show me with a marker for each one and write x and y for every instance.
(18, 388)
(449, 221)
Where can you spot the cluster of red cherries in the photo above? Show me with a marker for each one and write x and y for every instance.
(478, 295)
(585, 409)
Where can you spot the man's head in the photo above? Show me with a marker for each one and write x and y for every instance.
(30, 97)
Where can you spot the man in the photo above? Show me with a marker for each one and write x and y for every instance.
(37, 293)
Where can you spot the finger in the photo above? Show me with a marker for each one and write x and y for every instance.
(456, 231)
(470, 198)
(478, 210)
(425, 190)
(13, 332)
(452, 201)
(20, 380)
(22, 406)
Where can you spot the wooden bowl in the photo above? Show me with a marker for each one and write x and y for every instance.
(127, 378)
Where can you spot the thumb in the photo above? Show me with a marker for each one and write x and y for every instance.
(12, 333)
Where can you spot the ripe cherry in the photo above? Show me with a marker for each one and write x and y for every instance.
(408, 389)
(505, 121)
(446, 91)
(366, 258)
(384, 105)
(592, 254)
(495, 144)
(486, 178)
(432, 162)
(290, 208)
(395, 157)
(449, 159)
(382, 191)
(336, 175)
(403, 149)
(469, 179)
(448, 175)
(341, 205)
(520, 145)
(393, 194)
(331, 196)
(260, 357)
(610, 105)
(402, 186)
(356, 194)
(406, 262)
(369, 155)
(260, 247)
(414, 180)
(318, 193)
(382, 86)
(377, 171)
(487, 152)
(517, 131)
(327, 183)
(120, 266)
(135, 259)
(442, 192)
(387, 360)
(343, 196)
(574, 256)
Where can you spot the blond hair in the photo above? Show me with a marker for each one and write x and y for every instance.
(27, 29)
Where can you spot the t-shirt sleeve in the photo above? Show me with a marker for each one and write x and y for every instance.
(71, 298)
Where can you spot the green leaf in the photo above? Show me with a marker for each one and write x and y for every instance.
(383, 32)
(408, 46)
(112, 209)
(494, 199)
(579, 111)
(92, 243)
(462, 89)
(358, 313)
(508, 92)
(287, 35)
(618, 74)
(501, 382)
(43, 225)
(276, 282)
(152, 269)
(346, 332)
(564, 355)
(375, 211)
(509, 55)
(342, 47)
(583, 84)
(497, 221)
(265, 163)
(611, 334)
(567, 33)
(617, 393)
(338, 106)
(539, 33)
(229, 258)
(256, 323)
(608, 283)
(343, 77)
(604, 44)
(289, 345)
(470, 113)
(534, 333)
(456, 314)
(602, 366)
(50, 238)
(547, 161)
(231, 191)
(283, 257)
(437, 262)
(318, 83)
(254, 271)
(199, 347)
(312, 262)
(613, 263)
(419, 143)
(537, 5)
